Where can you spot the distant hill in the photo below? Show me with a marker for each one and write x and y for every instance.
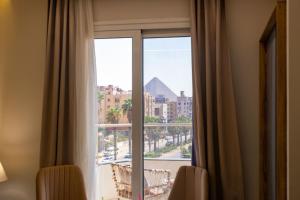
(156, 87)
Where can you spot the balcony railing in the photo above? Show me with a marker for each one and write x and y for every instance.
(114, 141)
(168, 150)
(107, 187)
(126, 125)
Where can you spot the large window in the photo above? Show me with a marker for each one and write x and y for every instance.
(144, 112)
(114, 88)
(167, 111)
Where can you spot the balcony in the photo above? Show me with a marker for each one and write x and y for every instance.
(107, 186)
(167, 150)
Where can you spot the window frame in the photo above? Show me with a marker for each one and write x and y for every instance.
(137, 35)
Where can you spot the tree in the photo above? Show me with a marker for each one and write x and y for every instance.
(152, 133)
(172, 130)
(113, 116)
(148, 130)
(184, 130)
(127, 110)
(176, 131)
(100, 97)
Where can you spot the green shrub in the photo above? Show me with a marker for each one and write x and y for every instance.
(185, 153)
(159, 152)
(152, 154)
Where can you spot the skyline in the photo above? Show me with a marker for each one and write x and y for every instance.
(144, 87)
(162, 56)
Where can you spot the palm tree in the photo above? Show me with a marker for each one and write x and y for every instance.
(113, 116)
(172, 130)
(127, 110)
(147, 131)
(152, 133)
(100, 97)
(184, 130)
(157, 135)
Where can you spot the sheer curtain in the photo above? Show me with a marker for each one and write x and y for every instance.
(69, 132)
(86, 131)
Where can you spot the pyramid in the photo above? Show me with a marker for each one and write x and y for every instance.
(156, 87)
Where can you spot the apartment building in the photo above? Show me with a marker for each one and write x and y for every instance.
(111, 97)
(184, 106)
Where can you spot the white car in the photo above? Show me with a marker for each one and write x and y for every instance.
(108, 158)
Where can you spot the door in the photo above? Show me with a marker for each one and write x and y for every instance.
(273, 159)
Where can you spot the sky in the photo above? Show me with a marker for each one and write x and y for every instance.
(168, 59)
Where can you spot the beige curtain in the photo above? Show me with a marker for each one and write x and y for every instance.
(215, 124)
(69, 116)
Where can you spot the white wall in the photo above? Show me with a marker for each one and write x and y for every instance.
(22, 51)
(293, 99)
(246, 20)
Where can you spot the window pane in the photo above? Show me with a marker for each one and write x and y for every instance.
(114, 85)
(167, 112)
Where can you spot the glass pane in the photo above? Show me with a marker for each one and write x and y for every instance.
(114, 88)
(167, 112)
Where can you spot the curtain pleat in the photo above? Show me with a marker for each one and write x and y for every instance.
(215, 123)
(69, 114)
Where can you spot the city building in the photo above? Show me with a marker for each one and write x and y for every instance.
(149, 102)
(114, 97)
(172, 111)
(184, 106)
(161, 99)
(161, 111)
(111, 97)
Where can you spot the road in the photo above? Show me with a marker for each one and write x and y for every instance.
(123, 149)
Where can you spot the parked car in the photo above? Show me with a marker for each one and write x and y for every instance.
(111, 148)
(128, 155)
(107, 158)
(169, 143)
(186, 155)
(108, 153)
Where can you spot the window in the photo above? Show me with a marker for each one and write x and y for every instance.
(114, 66)
(144, 135)
(167, 138)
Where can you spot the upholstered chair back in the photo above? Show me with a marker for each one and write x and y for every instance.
(60, 183)
(191, 183)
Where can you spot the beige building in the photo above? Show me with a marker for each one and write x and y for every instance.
(149, 102)
(161, 111)
(167, 111)
(111, 97)
(114, 97)
(172, 111)
(184, 106)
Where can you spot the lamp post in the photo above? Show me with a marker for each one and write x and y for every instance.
(3, 176)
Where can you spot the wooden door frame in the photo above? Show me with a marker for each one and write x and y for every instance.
(277, 21)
